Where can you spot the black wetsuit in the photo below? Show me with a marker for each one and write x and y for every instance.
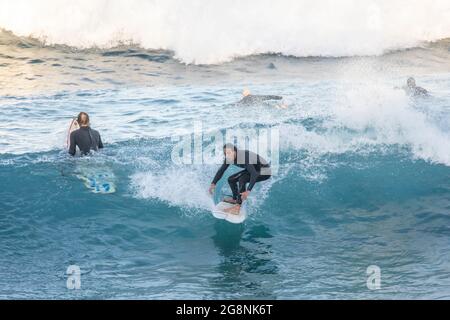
(254, 99)
(256, 169)
(86, 139)
(416, 91)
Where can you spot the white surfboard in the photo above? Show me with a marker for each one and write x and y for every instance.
(219, 213)
(72, 127)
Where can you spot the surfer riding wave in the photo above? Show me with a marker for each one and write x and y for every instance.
(256, 169)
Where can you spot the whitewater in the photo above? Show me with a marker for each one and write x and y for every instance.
(363, 169)
(208, 32)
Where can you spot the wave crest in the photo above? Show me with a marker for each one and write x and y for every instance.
(209, 32)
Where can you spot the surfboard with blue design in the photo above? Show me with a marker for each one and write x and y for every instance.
(98, 182)
(97, 179)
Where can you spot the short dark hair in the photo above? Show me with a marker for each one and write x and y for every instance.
(230, 146)
(80, 119)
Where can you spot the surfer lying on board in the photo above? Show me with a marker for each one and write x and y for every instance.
(85, 137)
(413, 90)
(251, 99)
(256, 169)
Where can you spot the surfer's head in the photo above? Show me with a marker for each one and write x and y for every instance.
(246, 92)
(230, 151)
(411, 82)
(83, 119)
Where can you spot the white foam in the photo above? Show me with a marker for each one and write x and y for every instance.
(217, 31)
(176, 186)
(394, 119)
(187, 187)
(371, 116)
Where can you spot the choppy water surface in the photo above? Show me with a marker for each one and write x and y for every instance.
(364, 176)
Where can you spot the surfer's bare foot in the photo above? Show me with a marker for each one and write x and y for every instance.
(234, 210)
(229, 200)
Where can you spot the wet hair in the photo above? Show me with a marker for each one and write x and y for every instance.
(83, 119)
(411, 81)
(230, 146)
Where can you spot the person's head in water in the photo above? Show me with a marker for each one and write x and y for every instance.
(83, 119)
(230, 152)
(246, 92)
(411, 83)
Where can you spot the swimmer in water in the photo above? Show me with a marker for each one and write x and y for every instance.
(413, 90)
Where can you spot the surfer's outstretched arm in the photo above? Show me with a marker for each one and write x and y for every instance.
(220, 173)
(218, 176)
(271, 97)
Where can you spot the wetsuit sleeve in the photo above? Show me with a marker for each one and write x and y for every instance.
(273, 98)
(422, 91)
(100, 142)
(220, 173)
(254, 174)
(72, 146)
